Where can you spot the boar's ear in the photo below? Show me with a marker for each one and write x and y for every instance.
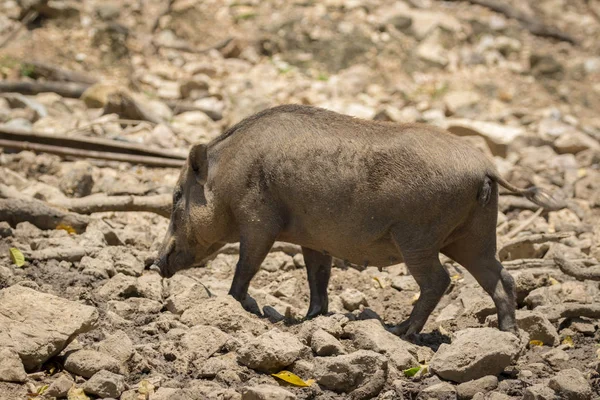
(199, 162)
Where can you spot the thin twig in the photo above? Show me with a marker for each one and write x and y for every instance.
(86, 143)
(62, 151)
(523, 225)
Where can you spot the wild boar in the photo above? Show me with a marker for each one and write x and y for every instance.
(368, 192)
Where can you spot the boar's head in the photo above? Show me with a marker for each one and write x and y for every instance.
(193, 233)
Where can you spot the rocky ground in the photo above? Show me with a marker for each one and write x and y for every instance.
(85, 317)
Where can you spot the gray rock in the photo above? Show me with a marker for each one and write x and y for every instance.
(497, 396)
(276, 261)
(271, 351)
(77, 180)
(468, 389)
(105, 384)
(183, 293)
(371, 335)
(574, 142)
(556, 358)
(211, 367)
(17, 100)
(60, 386)
(102, 269)
(224, 313)
(545, 65)
(11, 367)
(118, 345)
(461, 103)
(149, 285)
(539, 392)
(5, 229)
(431, 50)
(38, 326)
(203, 341)
(353, 299)
(362, 374)
(535, 324)
(123, 260)
(325, 344)
(118, 287)
(439, 391)
(134, 307)
(475, 353)
(497, 136)
(88, 362)
(286, 289)
(570, 384)
(267, 392)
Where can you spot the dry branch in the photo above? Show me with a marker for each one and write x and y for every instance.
(522, 263)
(86, 143)
(65, 89)
(71, 254)
(579, 273)
(518, 243)
(40, 214)
(158, 204)
(532, 24)
(62, 151)
(523, 225)
(53, 73)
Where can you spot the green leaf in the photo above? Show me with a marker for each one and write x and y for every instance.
(412, 371)
(17, 257)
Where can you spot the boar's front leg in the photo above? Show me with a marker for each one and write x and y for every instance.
(254, 247)
(318, 269)
(433, 280)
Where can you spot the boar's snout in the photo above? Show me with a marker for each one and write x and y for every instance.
(170, 259)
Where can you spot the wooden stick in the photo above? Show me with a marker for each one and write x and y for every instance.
(581, 274)
(65, 89)
(61, 151)
(40, 214)
(86, 143)
(158, 204)
(54, 73)
(523, 225)
(535, 263)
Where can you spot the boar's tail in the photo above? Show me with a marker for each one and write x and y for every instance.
(533, 193)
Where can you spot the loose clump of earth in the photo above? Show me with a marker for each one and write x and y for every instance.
(84, 317)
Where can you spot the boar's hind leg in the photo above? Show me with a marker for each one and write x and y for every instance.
(254, 247)
(433, 280)
(318, 269)
(480, 260)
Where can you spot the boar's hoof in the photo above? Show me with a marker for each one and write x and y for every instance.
(401, 329)
(314, 312)
(251, 306)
